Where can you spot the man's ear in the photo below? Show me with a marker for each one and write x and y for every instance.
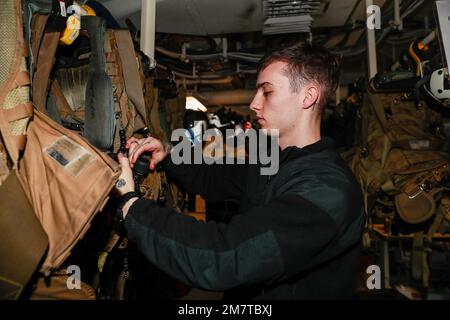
(311, 96)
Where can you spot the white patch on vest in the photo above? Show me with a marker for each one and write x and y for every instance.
(71, 156)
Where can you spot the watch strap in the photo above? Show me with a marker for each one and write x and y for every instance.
(122, 201)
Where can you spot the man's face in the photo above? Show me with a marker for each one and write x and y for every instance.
(275, 104)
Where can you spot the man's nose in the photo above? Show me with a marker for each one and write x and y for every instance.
(256, 103)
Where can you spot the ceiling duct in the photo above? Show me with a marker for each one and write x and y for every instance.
(288, 16)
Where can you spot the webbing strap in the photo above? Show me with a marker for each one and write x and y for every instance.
(419, 264)
(377, 107)
(37, 31)
(44, 65)
(130, 70)
(59, 98)
(20, 111)
(379, 111)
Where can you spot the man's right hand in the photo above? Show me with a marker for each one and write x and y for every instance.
(136, 147)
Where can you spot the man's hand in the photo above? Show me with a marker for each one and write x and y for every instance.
(125, 183)
(136, 147)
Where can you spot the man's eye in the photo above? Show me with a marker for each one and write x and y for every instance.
(267, 93)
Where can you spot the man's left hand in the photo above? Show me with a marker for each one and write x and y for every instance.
(125, 183)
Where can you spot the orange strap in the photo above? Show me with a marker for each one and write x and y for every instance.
(20, 111)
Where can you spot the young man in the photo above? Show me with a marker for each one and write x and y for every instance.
(297, 233)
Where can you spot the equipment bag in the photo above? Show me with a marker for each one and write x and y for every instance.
(399, 154)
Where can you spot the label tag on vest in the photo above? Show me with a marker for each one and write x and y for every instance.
(71, 156)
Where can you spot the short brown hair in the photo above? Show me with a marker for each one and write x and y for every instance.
(307, 63)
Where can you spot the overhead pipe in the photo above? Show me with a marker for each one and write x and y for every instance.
(398, 22)
(430, 37)
(228, 97)
(148, 29)
(245, 96)
(184, 81)
(371, 45)
(386, 31)
(183, 56)
(190, 76)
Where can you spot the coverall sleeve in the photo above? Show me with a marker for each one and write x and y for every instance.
(267, 244)
(213, 182)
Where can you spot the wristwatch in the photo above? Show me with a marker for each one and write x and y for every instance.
(122, 201)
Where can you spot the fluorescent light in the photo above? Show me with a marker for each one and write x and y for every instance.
(193, 104)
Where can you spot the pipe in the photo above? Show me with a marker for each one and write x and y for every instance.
(186, 57)
(190, 76)
(371, 46)
(170, 54)
(228, 97)
(398, 22)
(148, 29)
(184, 81)
(429, 38)
(355, 52)
(245, 96)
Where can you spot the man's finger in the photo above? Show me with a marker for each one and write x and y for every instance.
(130, 141)
(152, 165)
(133, 145)
(132, 149)
(123, 161)
(137, 153)
(146, 147)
